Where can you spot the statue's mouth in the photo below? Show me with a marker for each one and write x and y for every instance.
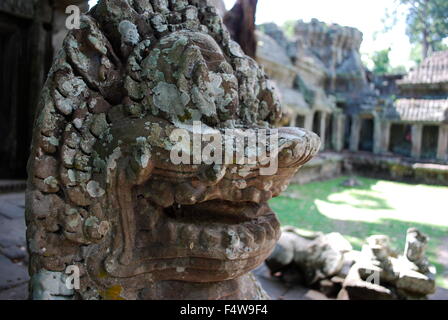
(201, 223)
(188, 241)
(223, 230)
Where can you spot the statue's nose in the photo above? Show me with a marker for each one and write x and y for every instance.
(296, 146)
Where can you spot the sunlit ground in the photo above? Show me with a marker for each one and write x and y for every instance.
(376, 207)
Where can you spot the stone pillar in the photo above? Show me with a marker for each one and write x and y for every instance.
(323, 128)
(377, 134)
(356, 128)
(385, 137)
(442, 146)
(417, 130)
(309, 121)
(338, 131)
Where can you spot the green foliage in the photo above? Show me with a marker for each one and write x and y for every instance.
(398, 70)
(416, 54)
(288, 28)
(427, 23)
(381, 61)
(375, 207)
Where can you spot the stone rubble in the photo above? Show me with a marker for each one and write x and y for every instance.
(328, 263)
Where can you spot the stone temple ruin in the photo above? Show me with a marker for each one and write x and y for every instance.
(388, 126)
(328, 263)
(104, 196)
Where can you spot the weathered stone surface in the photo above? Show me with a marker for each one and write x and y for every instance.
(17, 293)
(12, 234)
(413, 282)
(308, 260)
(380, 273)
(138, 224)
(355, 288)
(12, 274)
(10, 210)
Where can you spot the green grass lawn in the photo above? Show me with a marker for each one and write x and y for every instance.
(376, 207)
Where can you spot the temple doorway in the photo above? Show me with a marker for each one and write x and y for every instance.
(15, 128)
(366, 135)
(328, 132)
(316, 122)
(430, 137)
(401, 139)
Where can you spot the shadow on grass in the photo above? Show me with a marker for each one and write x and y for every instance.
(302, 212)
(368, 202)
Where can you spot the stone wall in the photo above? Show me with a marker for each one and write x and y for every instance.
(31, 32)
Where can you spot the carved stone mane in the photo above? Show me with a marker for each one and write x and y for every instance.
(103, 194)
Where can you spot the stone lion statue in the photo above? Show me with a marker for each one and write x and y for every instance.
(105, 199)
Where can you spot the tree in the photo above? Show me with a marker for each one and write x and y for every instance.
(288, 27)
(427, 22)
(381, 61)
(240, 22)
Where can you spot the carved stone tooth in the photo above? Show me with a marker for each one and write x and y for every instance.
(161, 193)
(186, 194)
(265, 196)
(168, 233)
(234, 195)
(270, 233)
(249, 238)
(260, 234)
(188, 235)
(209, 238)
(252, 194)
(155, 215)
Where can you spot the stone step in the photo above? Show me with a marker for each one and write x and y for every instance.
(7, 186)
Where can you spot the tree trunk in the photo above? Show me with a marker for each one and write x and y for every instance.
(240, 22)
(425, 40)
(425, 44)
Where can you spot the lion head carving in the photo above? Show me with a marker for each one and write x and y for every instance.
(104, 194)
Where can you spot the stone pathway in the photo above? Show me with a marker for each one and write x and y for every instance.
(14, 259)
(278, 291)
(13, 256)
(442, 254)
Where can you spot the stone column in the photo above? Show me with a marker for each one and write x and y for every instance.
(442, 146)
(417, 130)
(356, 128)
(323, 128)
(309, 121)
(385, 137)
(377, 134)
(338, 132)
